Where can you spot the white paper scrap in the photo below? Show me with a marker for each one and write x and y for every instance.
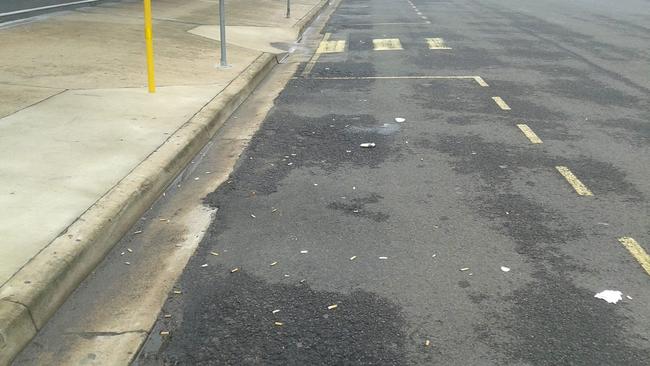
(610, 296)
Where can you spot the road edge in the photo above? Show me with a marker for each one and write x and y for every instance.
(36, 291)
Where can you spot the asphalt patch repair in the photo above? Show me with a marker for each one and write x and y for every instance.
(230, 320)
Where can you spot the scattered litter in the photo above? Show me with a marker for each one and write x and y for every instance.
(279, 324)
(204, 265)
(164, 332)
(253, 216)
(177, 292)
(464, 269)
(505, 269)
(273, 264)
(427, 343)
(353, 257)
(129, 250)
(368, 144)
(628, 297)
(610, 296)
(127, 263)
(304, 251)
(214, 253)
(383, 257)
(137, 232)
(399, 119)
(234, 270)
(332, 307)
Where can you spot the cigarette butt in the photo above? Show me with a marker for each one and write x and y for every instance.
(273, 210)
(127, 263)
(164, 332)
(464, 269)
(253, 216)
(234, 270)
(332, 307)
(304, 251)
(273, 264)
(214, 253)
(177, 292)
(353, 257)
(427, 343)
(204, 265)
(276, 311)
(383, 257)
(129, 250)
(167, 316)
(279, 324)
(137, 232)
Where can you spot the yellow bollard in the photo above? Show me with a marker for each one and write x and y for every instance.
(148, 37)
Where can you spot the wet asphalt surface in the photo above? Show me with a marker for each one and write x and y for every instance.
(456, 186)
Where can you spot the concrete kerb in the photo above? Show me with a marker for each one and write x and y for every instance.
(35, 292)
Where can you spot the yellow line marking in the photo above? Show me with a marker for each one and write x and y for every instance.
(532, 136)
(312, 62)
(387, 44)
(480, 81)
(503, 105)
(331, 47)
(437, 44)
(580, 188)
(637, 251)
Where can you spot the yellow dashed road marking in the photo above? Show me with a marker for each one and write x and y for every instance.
(312, 62)
(637, 252)
(503, 105)
(580, 188)
(331, 47)
(387, 44)
(437, 44)
(532, 136)
(480, 81)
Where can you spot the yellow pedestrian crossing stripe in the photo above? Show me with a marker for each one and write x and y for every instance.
(387, 44)
(331, 46)
(437, 44)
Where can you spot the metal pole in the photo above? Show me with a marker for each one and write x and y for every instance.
(222, 31)
(148, 37)
(288, 8)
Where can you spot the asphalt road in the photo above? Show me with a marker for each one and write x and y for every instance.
(408, 239)
(19, 9)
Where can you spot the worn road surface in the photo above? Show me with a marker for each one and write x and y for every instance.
(479, 228)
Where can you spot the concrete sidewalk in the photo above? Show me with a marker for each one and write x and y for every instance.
(84, 149)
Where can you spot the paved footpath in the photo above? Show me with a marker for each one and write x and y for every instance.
(507, 185)
(85, 149)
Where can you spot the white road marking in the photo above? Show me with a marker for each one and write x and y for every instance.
(23, 11)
